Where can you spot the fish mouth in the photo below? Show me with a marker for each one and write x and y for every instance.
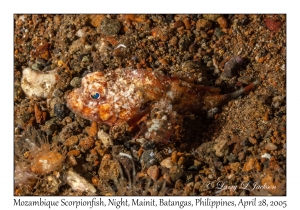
(73, 101)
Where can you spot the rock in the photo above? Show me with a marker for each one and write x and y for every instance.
(192, 69)
(218, 32)
(92, 131)
(68, 131)
(235, 166)
(266, 155)
(36, 66)
(212, 17)
(38, 83)
(277, 101)
(252, 140)
(153, 172)
(76, 45)
(167, 163)
(110, 27)
(270, 146)
(273, 24)
(95, 20)
(245, 79)
(178, 24)
(57, 93)
(274, 186)
(105, 138)
(187, 23)
(87, 143)
(147, 145)
(188, 188)
(160, 33)
(71, 141)
(181, 160)
(60, 110)
(184, 43)
(74, 152)
(252, 164)
(205, 148)
(203, 24)
(222, 22)
(75, 82)
(40, 116)
(50, 126)
(221, 148)
(148, 159)
(176, 172)
(174, 157)
(173, 41)
(109, 169)
(80, 33)
(78, 183)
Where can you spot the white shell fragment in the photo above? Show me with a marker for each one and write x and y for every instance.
(266, 155)
(37, 83)
(105, 138)
(78, 183)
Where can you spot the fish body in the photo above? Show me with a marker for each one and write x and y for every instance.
(126, 95)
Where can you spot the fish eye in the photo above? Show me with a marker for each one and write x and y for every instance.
(95, 95)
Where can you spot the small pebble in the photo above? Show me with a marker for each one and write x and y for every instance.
(235, 166)
(250, 164)
(167, 163)
(222, 22)
(80, 33)
(218, 32)
(87, 143)
(203, 24)
(75, 82)
(245, 80)
(181, 160)
(221, 148)
(174, 157)
(184, 43)
(148, 159)
(50, 126)
(270, 146)
(92, 131)
(252, 140)
(266, 155)
(273, 24)
(40, 116)
(212, 17)
(153, 172)
(74, 152)
(105, 138)
(95, 20)
(110, 26)
(176, 172)
(60, 110)
(71, 141)
(109, 169)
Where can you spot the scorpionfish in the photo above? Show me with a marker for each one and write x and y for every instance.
(135, 96)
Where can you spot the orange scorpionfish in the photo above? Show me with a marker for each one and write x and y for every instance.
(129, 95)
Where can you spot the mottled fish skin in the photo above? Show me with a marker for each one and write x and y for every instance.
(126, 95)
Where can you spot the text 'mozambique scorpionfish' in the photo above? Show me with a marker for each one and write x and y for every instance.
(126, 95)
